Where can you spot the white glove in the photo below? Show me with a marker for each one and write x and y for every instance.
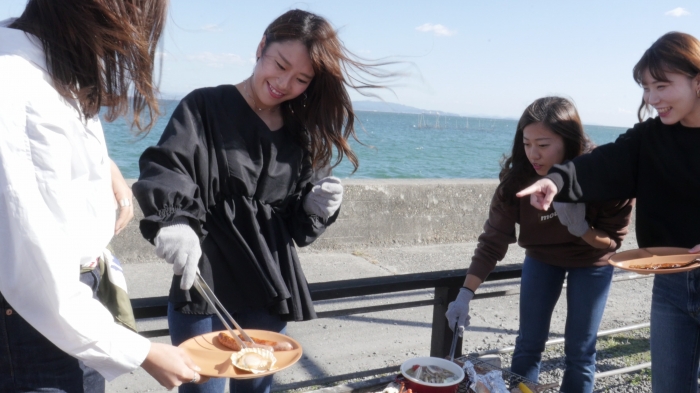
(325, 197)
(178, 244)
(573, 217)
(458, 311)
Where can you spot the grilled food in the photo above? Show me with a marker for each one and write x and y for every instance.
(229, 342)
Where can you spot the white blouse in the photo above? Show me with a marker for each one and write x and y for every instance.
(57, 212)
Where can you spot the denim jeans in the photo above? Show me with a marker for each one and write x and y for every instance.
(31, 363)
(185, 326)
(675, 332)
(586, 295)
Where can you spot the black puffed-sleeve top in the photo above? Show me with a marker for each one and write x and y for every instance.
(240, 186)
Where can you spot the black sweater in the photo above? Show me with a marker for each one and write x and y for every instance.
(656, 163)
(240, 186)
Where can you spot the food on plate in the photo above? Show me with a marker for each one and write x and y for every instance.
(255, 360)
(431, 374)
(229, 342)
(657, 266)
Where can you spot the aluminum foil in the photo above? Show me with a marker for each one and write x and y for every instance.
(493, 380)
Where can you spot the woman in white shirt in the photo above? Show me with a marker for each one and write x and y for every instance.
(60, 62)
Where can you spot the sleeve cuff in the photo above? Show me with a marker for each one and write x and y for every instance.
(128, 351)
(465, 288)
(557, 179)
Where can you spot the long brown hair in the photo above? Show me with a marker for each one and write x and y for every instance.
(673, 52)
(100, 52)
(560, 116)
(323, 116)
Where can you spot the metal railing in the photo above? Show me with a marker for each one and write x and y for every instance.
(446, 284)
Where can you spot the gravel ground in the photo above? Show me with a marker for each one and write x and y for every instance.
(614, 352)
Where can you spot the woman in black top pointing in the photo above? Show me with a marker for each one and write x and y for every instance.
(657, 162)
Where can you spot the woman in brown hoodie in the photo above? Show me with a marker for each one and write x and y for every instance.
(573, 248)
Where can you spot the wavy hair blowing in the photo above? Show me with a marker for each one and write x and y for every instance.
(672, 52)
(324, 117)
(100, 52)
(560, 116)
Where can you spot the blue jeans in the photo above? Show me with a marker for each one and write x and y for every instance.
(586, 295)
(675, 332)
(31, 363)
(185, 326)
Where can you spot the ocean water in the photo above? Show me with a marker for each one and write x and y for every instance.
(394, 145)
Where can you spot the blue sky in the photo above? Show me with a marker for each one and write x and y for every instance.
(486, 58)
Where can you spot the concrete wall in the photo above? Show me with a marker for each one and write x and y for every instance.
(380, 212)
(384, 212)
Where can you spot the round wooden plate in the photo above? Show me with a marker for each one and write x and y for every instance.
(651, 255)
(215, 359)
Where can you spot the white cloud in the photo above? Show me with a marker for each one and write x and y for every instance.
(211, 28)
(217, 60)
(438, 29)
(678, 12)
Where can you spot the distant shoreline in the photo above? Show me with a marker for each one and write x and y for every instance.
(394, 108)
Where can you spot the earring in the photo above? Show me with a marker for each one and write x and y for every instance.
(290, 107)
(305, 96)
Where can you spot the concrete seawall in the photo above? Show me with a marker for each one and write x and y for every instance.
(379, 212)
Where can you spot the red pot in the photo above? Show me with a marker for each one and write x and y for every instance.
(424, 387)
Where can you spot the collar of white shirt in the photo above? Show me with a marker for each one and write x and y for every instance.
(17, 42)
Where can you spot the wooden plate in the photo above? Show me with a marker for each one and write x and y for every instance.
(215, 359)
(650, 255)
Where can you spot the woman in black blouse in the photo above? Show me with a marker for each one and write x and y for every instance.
(235, 182)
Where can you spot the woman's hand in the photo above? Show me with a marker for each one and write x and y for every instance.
(541, 193)
(695, 250)
(178, 244)
(171, 366)
(458, 311)
(123, 198)
(325, 197)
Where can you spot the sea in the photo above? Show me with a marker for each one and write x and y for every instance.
(392, 145)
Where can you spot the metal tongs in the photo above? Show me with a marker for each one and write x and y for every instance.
(203, 288)
(455, 336)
